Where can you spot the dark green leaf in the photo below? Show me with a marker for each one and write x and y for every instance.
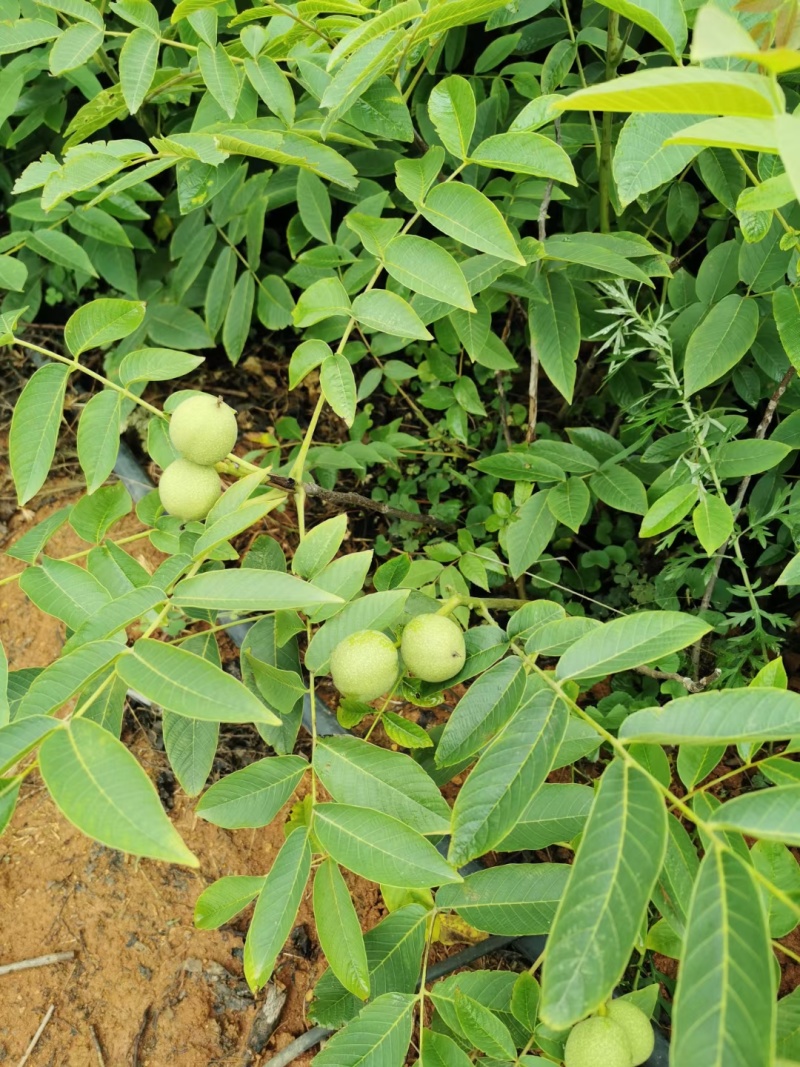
(339, 931)
(427, 268)
(724, 1005)
(610, 883)
(138, 62)
(93, 516)
(355, 772)
(482, 1028)
(451, 107)
(100, 322)
(98, 437)
(488, 705)
(237, 319)
(629, 642)
(379, 1037)
(731, 716)
(394, 955)
(508, 772)
(463, 212)
(719, 342)
(556, 329)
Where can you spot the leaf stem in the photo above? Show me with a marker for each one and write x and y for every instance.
(785, 950)
(383, 707)
(312, 699)
(216, 629)
(581, 72)
(76, 714)
(716, 836)
(737, 155)
(298, 19)
(76, 555)
(242, 259)
(106, 382)
(424, 975)
(612, 59)
(156, 623)
(418, 73)
(76, 365)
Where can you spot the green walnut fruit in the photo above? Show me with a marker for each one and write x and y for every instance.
(203, 429)
(638, 1029)
(188, 490)
(365, 665)
(597, 1042)
(433, 647)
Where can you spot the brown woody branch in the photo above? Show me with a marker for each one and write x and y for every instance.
(356, 500)
(688, 684)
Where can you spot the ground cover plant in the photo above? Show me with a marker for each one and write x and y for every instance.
(530, 272)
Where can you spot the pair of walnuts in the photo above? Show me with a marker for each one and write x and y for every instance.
(623, 1037)
(366, 664)
(203, 430)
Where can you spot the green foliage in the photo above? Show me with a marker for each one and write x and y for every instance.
(546, 315)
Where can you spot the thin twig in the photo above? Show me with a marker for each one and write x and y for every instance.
(356, 500)
(586, 370)
(97, 1046)
(37, 961)
(503, 409)
(533, 380)
(533, 393)
(36, 1036)
(140, 1034)
(513, 305)
(613, 56)
(671, 676)
(744, 485)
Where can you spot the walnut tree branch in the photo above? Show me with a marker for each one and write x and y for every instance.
(356, 500)
(688, 684)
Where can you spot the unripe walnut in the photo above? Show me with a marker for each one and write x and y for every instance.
(365, 665)
(188, 491)
(203, 429)
(433, 648)
(638, 1029)
(597, 1042)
